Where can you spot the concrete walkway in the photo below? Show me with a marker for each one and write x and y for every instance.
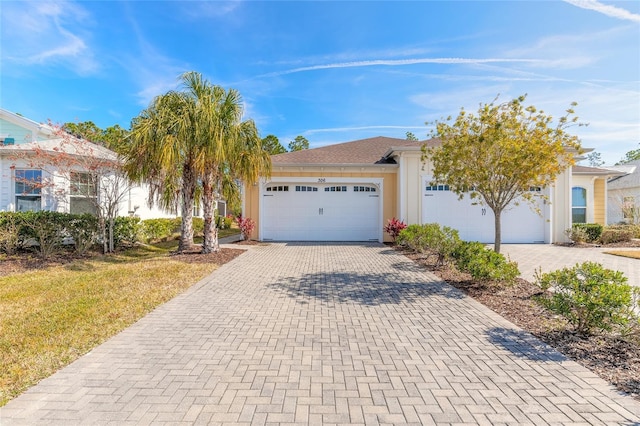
(549, 257)
(322, 334)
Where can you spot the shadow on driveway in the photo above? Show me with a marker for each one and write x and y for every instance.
(523, 345)
(365, 289)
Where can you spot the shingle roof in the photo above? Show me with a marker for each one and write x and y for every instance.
(584, 170)
(58, 146)
(363, 151)
(631, 180)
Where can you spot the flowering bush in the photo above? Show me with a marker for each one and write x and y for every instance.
(393, 227)
(246, 226)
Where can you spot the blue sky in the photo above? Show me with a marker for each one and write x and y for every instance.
(331, 71)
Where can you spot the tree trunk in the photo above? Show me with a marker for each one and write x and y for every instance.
(103, 233)
(188, 193)
(112, 247)
(210, 240)
(498, 230)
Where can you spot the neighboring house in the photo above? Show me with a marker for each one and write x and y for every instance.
(348, 191)
(624, 194)
(31, 178)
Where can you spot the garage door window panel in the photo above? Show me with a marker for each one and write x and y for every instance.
(364, 189)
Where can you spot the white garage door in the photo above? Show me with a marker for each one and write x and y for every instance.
(520, 224)
(320, 212)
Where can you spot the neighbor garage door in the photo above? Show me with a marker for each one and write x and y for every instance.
(520, 224)
(320, 212)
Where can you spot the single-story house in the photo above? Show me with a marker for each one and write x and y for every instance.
(33, 176)
(624, 194)
(348, 191)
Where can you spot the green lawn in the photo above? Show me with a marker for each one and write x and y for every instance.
(50, 317)
(634, 254)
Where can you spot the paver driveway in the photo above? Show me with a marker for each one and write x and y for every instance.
(326, 333)
(548, 257)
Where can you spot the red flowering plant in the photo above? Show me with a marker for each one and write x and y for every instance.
(246, 226)
(393, 227)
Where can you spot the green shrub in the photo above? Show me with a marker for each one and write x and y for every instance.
(11, 232)
(157, 229)
(576, 235)
(411, 237)
(634, 229)
(47, 229)
(84, 230)
(466, 252)
(492, 266)
(198, 226)
(483, 263)
(430, 237)
(197, 223)
(591, 230)
(224, 222)
(615, 235)
(126, 230)
(588, 296)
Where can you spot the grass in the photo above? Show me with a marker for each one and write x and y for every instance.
(50, 317)
(634, 254)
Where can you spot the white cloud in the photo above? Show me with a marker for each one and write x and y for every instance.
(605, 9)
(47, 33)
(150, 69)
(398, 62)
(209, 9)
(611, 111)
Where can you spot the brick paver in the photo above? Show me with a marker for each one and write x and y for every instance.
(549, 257)
(322, 334)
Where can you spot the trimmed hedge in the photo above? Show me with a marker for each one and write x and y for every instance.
(483, 263)
(589, 296)
(592, 230)
(612, 235)
(430, 237)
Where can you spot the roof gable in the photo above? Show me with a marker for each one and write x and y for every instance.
(629, 180)
(21, 129)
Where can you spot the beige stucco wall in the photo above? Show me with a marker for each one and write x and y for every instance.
(596, 198)
(387, 173)
(409, 186)
(599, 201)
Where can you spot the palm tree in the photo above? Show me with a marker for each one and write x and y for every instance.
(162, 154)
(246, 161)
(194, 137)
(228, 149)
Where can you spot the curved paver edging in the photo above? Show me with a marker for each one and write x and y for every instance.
(324, 333)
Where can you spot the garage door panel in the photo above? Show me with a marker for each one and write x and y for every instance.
(330, 212)
(475, 222)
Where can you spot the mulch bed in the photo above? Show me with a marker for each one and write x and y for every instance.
(24, 262)
(613, 359)
(220, 257)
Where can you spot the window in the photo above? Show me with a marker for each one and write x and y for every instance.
(364, 189)
(83, 193)
(437, 188)
(336, 189)
(628, 207)
(306, 188)
(28, 189)
(578, 205)
(278, 188)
